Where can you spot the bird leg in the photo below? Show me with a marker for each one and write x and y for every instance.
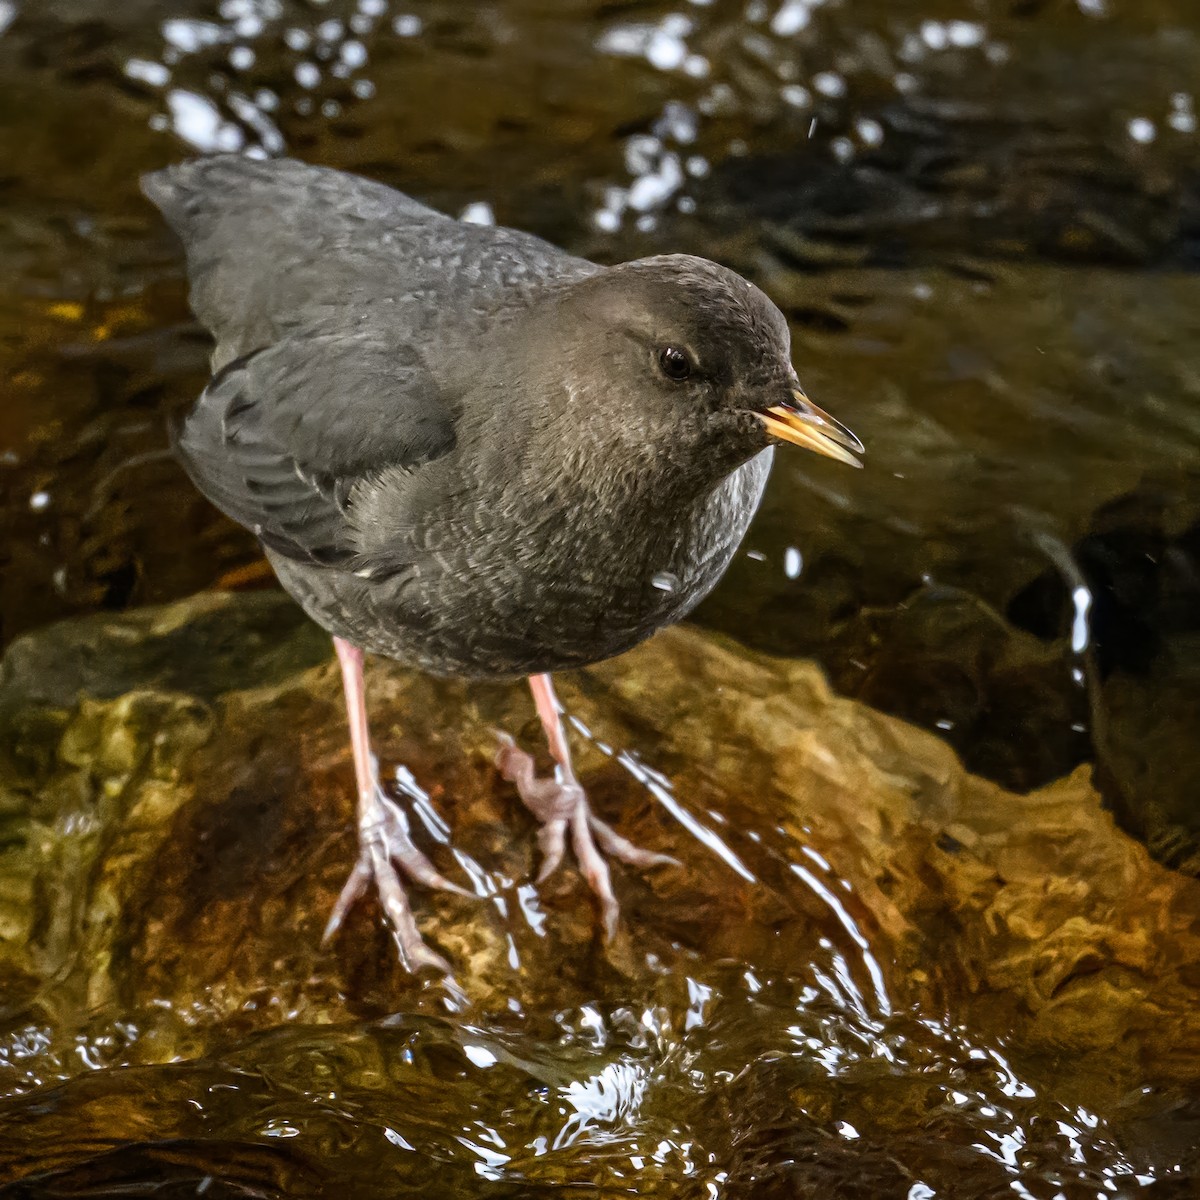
(385, 843)
(560, 804)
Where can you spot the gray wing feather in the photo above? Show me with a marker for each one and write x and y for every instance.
(281, 438)
(272, 245)
(317, 286)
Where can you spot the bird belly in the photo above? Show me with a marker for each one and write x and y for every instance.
(493, 612)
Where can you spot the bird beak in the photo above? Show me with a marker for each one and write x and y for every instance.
(804, 424)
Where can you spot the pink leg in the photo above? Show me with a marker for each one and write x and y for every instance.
(560, 803)
(383, 835)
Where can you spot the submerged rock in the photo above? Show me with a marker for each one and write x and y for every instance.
(859, 932)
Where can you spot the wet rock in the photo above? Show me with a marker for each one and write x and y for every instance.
(176, 796)
(1139, 566)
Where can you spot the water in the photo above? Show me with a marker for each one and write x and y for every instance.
(982, 221)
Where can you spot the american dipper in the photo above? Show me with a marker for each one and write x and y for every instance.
(467, 450)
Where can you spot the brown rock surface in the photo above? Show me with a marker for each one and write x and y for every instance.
(856, 927)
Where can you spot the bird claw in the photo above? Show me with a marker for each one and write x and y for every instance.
(561, 805)
(552, 841)
(386, 844)
(617, 846)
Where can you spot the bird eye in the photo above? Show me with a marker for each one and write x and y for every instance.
(674, 363)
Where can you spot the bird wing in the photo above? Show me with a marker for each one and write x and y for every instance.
(274, 245)
(283, 436)
(318, 286)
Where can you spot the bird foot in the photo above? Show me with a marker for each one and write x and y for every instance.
(386, 850)
(561, 806)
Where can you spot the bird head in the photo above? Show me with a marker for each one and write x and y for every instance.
(678, 352)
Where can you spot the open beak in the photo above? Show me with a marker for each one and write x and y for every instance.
(804, 424)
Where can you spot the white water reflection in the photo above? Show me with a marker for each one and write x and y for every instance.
(660, 788)
(612, 1095)
(851, 927)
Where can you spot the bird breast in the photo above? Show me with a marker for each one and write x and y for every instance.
(596, 580)
(506, 592)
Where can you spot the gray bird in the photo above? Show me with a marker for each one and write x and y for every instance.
(469, 451)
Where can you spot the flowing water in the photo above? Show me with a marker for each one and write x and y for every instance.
(982, 219)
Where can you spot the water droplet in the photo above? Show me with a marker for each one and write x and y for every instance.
(964, 34)
(353, 54)
(481, 1056)
(279, 1128)
(665, 581)
(478, 213)
(793, 562)
(1141, 130)
(1081, 598)
(397, 1139)
(934, 35)
(791, 18)
(152, 73)
(830, 84)
(843, 149)
(307, 74)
